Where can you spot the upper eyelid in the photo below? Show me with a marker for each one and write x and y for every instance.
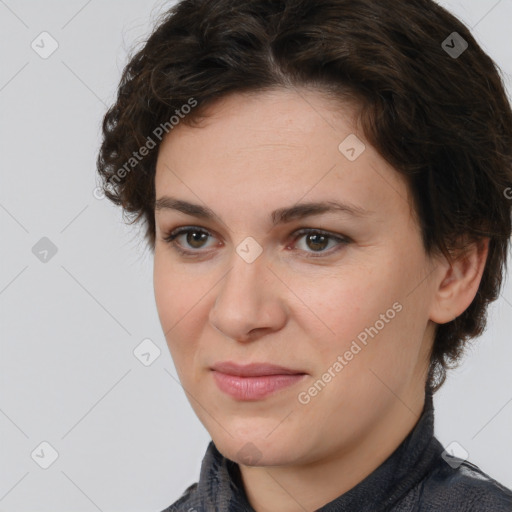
(184, 229)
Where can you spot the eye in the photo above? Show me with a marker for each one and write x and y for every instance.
(318, 241)
(193, 237)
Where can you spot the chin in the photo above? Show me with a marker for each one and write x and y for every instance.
(255, 449)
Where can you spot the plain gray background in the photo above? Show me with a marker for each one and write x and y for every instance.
(125, 435)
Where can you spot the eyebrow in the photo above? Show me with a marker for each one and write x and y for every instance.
(279, 216)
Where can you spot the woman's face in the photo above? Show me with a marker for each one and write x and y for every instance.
(348, 310)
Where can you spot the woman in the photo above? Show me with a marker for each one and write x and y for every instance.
(324, 186)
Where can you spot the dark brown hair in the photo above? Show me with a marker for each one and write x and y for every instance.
(440, 117)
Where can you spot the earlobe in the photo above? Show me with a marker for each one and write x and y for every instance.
(458, 282)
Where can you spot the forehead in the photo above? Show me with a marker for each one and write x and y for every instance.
(275, 148)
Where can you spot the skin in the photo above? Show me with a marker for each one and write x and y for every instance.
(254, 154)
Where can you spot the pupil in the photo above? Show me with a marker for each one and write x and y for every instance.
(193, 238)
(317, 239)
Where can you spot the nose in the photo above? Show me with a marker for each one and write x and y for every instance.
(250, 301)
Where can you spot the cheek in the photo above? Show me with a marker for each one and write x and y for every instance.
(175, 298)
(341, 306)
(176, 291)
(364, 311)
(168, 300)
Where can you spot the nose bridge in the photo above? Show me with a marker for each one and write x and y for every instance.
(244, 300)
(244, 283)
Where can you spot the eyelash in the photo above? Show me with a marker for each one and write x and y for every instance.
(170, 237)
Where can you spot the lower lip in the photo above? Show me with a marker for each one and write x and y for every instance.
(253, 388)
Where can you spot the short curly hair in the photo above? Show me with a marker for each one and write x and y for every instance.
(430, 101)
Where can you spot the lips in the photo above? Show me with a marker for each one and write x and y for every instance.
(253, 369)
(253, 381)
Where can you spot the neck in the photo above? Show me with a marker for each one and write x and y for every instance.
(310, 486)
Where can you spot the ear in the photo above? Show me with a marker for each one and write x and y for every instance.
(459, 281)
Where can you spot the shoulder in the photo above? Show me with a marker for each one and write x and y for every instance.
(187, 502)
(456, 485)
